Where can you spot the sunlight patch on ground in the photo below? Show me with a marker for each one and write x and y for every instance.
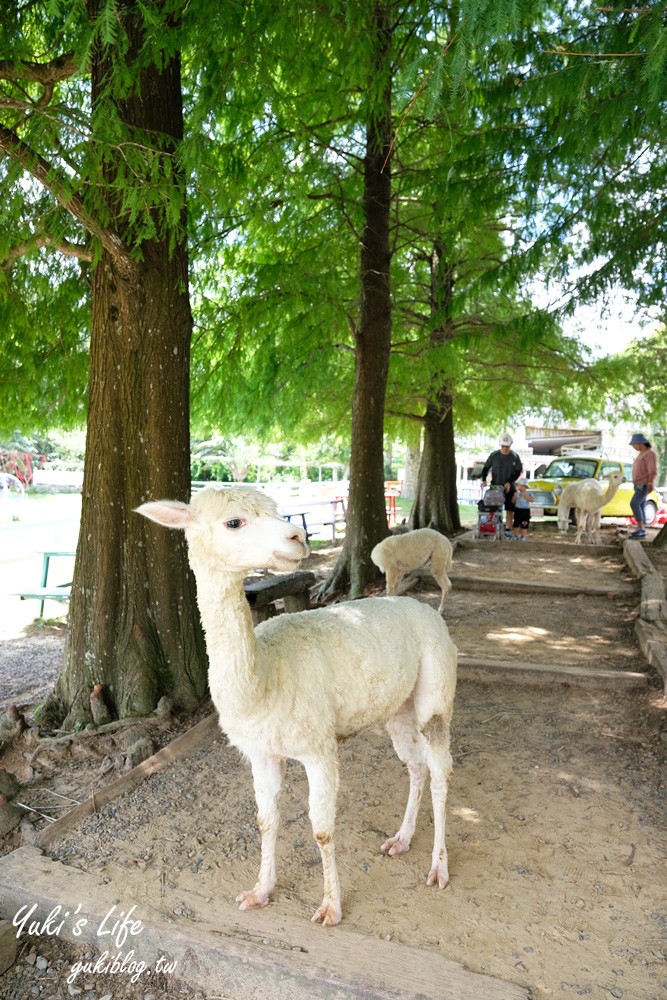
(546, 570)
(469, 815)
(581, 781)
(529, 633)
(570, 642)
(511, 635)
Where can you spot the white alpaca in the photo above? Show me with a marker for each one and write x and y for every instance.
(565, 505)
(397, 555)
(300, 682)
(588, 497)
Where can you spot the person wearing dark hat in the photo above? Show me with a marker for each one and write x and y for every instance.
(644, 472)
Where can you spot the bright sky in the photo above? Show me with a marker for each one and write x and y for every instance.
(609, 326)
(603, 334)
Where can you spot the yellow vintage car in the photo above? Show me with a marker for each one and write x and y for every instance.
(547, 488)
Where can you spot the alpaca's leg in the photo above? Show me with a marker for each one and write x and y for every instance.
(581, 524)
(439, 566)
(439, 760)
(409, 747)
(322, 775)
(596, 520)
(394, 577)
(267, 774)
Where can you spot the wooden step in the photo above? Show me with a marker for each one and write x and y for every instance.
(486, 668)
(243, 955)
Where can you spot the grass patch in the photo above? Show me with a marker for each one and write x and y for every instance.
(46, 626)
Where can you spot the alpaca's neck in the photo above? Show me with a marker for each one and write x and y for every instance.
(612, 489)
(230, 637)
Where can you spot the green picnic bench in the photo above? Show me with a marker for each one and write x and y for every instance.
(291, 588)
(43, 593)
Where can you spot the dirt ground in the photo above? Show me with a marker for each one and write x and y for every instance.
(555, 815)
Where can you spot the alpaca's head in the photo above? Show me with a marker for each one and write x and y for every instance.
(615, 479)
(237, 529)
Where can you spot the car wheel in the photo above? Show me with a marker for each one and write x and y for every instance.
(650, 510)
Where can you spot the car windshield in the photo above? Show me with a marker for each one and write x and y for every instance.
(571, 468)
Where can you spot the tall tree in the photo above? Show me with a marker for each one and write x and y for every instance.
(436, 501)
(105, 161)
(313, 253)
(366, 514)
(287, 319)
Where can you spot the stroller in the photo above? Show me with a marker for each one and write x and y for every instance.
(490, 515)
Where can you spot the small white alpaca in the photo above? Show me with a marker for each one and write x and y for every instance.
(588, 497)
(397, 555)
(300, 682)
(565, 505)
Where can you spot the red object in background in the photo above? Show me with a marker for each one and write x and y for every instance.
(21, 464)
(659, 520)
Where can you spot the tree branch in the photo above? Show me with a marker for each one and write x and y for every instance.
(65, 247)
(48, 74)
(42, 171)
(593, 55)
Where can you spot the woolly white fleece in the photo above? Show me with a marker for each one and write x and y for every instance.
(397, 555)
(299, 682)
(588, 497)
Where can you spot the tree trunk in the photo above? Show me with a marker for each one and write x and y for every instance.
(436, 501)
(366, 512)
(412, 462)
(133, 623)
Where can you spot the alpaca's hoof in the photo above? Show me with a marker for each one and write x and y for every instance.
(395, 845)
(438, 876)
(329, 913)
(252, 900)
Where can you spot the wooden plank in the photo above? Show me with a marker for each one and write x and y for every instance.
(485, 668)
(637, 558)
(8, 945)
(653, 642)
(653, 607)
(242, 955)
(535, 544)
(262, 592)
(482, 583)
(512, 585)
(198, 736)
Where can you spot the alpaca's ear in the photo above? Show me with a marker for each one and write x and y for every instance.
(170, 513)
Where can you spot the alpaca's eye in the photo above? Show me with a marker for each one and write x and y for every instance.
(234, 523)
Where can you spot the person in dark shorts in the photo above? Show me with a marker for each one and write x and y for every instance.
(521, 498)
(505, 467)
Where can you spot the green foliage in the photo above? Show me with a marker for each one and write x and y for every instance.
(635, 381)
(277, 302)
(594, 98)
(44, 313)
(68, 179)
(515, 152)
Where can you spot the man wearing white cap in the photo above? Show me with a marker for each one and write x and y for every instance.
(505, 467)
